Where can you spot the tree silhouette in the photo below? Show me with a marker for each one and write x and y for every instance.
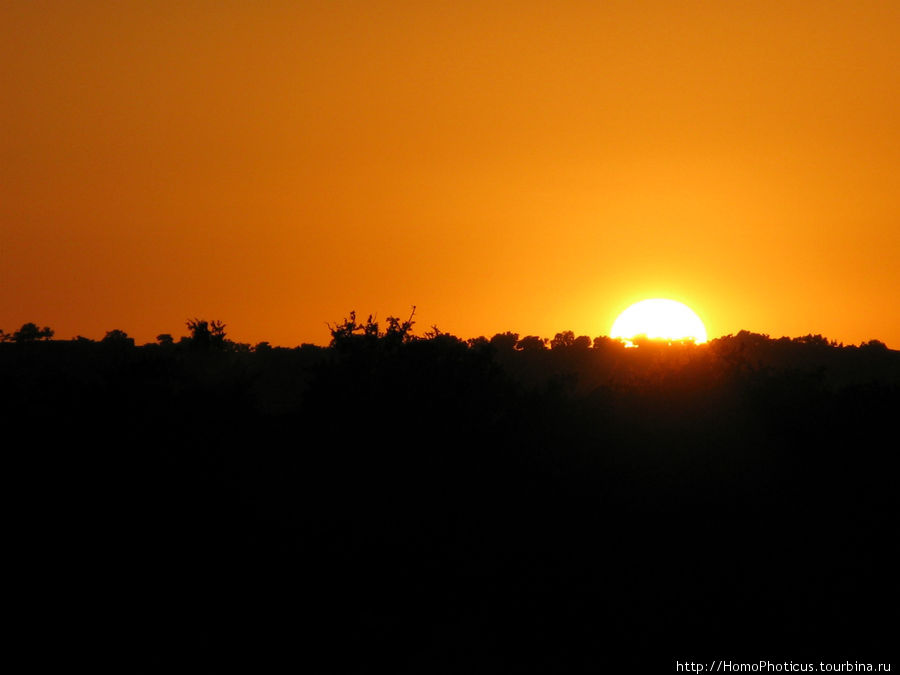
(399, 331)
(567, 340)
(531, 343)
(206, 335)
(350, 333)
(582, 342)
(29, 332)
(605, 342)
(564, 339)
(118, 337)
(874, 345)
(505, 341)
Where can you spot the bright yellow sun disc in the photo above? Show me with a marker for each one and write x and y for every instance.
(659, 319)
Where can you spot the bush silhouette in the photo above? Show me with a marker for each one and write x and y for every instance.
(206, 335)
(30, 332)
(118, 338)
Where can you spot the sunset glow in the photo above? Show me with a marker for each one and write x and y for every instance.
(501, 166)
(659, 319)
(464, 336)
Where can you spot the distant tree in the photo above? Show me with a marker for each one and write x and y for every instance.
(217, 334)
(435, 332)
(606, 342)
(662, 342)
(479, 342)
(562, 340)
(118, 337)
(4, 337)
(436, 335)
(582, 342)
(399, 331)
(817, 340)
(206, 335)
(350, 332)
(165, 339)
(567, 340)
(874, 346)
(262, 347)
(642, 340)
(200, 335)
(29, 332)
(531, 343)
(746, 339)
(504, 341)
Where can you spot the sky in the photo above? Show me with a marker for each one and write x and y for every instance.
(525, 166)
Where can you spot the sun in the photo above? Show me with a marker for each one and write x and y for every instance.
(659, 318)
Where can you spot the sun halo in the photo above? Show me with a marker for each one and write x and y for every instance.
(659, 318)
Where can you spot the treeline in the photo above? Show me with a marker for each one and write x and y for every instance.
(578, 364)
(211, 334)
(432, 504)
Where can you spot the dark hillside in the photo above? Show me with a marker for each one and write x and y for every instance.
(433, 505)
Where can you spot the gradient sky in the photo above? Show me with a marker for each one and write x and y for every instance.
(525, 166)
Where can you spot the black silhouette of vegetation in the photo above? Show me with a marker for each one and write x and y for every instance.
(427, 504)
(29, 332)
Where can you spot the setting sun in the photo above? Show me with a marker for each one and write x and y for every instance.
(659, 319)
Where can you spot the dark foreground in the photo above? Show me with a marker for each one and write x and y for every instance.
(432, 506)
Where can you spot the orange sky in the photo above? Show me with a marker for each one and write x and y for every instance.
(523, 166)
